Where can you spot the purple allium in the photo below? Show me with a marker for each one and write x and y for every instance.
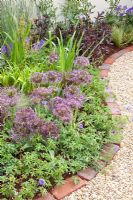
(121, 14)
(42, 182)
(75, 102)
(41, 94)
(82, 61)
(53, 57)
(63, 112)
(54, 76)
(71, 90)
(37, 77)
(9, 96)
(79, 77)
(26, 122)
(55, 101)
(49, 129)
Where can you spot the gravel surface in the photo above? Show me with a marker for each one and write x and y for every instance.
(116, 181)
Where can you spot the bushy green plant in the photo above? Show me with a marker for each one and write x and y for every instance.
(75, 10)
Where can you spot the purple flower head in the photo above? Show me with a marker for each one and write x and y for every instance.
(54, 77)
(63, 112)
(79, 77)
(124, 7)
(49, 129)
(41, 94)
(129, 11)
(37, 77)
(53, 57)
(81, 61)
(71, 90)
(42, 182)
(81, 126)
(121, 14)
(28, 40)
(118, 8)
(75, 102)
(55, 101)
(5, 50)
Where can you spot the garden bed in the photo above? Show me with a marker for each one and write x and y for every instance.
(54, 114)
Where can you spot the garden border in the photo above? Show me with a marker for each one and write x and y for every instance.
(59, 192)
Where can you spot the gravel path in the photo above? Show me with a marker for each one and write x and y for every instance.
(116, 182)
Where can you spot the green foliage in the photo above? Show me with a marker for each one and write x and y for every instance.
(73, 10)
(112, 4)
(122, 36)
(67, 52)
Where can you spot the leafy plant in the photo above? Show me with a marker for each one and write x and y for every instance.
(74, 11)
(68, 52)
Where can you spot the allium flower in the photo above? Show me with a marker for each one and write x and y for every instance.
(55, 101)
(42, 182)
(63, 112)
(82, 61)
(54, 77)
(49, 129)
(26, 122)
(71, 90)
(75, 101)
(38, 77)
(53, 57)
(9, 96)
(41, 94)
(79, 77)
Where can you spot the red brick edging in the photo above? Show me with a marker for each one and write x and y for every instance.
(108, 151)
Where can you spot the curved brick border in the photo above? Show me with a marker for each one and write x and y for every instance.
(108, 151)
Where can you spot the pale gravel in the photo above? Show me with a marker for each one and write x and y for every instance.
(116, 181)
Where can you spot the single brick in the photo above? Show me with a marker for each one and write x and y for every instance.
(47, 197)
(67, 188)
(129, 48)
(87, 173)
(104, 73)
(100, 165)
(109, 151)
(109, 61)
(115, 110)
(118, 54)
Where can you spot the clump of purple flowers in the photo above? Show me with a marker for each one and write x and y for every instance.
(27, 122)
(42, 93)
(53, 58)
(63, 112)
(49, 77)
(71, 90)
(79, 77)
(82, 61)
(123, 10)
(37, 77)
